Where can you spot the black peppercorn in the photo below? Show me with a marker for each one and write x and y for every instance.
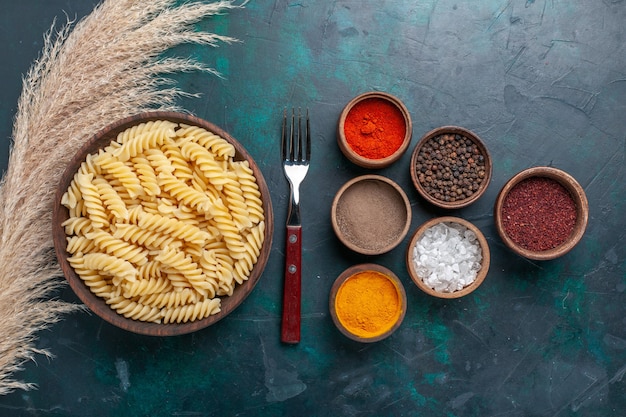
(452, 167)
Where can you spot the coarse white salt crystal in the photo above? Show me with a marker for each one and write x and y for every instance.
(447, 257)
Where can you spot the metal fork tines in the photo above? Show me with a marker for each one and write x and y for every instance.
(296, 154)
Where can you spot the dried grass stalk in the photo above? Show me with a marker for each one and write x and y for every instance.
(107, 66)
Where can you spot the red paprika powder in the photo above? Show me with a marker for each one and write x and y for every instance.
(538, 214)
(374, 128)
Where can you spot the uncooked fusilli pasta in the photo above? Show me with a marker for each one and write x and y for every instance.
(163, 222)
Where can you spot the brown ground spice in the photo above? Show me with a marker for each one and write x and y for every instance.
(371, 214)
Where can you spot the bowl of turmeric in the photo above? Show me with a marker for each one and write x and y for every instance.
(374, 130)
(367, 302)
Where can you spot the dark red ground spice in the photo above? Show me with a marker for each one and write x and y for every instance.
(538, 214)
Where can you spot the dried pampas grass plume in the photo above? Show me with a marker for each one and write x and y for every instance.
(105, 67)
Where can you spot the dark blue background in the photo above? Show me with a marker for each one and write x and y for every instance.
(542, 82)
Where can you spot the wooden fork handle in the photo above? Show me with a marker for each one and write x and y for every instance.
(290, 326)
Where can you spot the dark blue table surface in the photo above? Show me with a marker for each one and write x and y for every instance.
(542, 82)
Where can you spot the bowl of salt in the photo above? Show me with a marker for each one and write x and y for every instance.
(448, 257)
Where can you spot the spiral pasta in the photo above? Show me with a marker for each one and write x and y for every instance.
(191, 312)
(182, 170)
(172, 227)
(170, 299)
(163, 222)
(179, 262)
(252, 246)
(119, 248)
(250, 190)
(184, 193)
(97, 283)
(78, 226)
(147, 175)
(93, 202)
(110, 198)
(110, 265)
(148, 137)
(145, 287)
(133, 310)
(206, 163)
(149, 239)
(80, 244)
(121, 172)
(209, 140)
(72, 196)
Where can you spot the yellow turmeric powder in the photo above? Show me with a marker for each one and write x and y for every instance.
(368, 304)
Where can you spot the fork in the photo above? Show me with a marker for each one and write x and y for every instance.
(296, 157)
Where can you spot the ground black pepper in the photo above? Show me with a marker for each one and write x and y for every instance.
(371, 214)
(450, 167)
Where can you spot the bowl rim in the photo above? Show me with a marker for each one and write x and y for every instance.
(97, 305)
(482, 273)
(362, 161)
(484, 151)
(353, 270)
(576, 192)
(351, 245)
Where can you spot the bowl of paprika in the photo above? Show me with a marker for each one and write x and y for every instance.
(367, 302)
(541, 213)
(374, 130)
(451, 167)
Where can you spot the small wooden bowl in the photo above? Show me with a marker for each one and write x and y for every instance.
(578, 196)
(371, 214)
(482, 273)
(346, 275)
(416, 175)
(364, 161)
(97, 304)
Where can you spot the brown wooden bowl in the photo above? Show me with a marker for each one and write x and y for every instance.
(347, 274)
(371, 214)
(576, 192)
(364, 161)
(416, 175)
(98, 305)
(482, 273)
